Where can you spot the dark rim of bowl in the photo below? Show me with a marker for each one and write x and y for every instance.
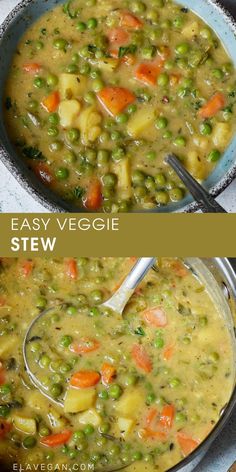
(50, 199)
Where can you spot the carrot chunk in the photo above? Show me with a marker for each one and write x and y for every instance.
(2, 374)
(130, 21)
(71, 268)
(186, 443)
(5, 428)
(215, 104)
(141, 358)
(85, 345)
(115, 99)
(85, 379)
(93, 199)
(51, 102)
(118, 36)
(148, 72)
(108, 373)
(58, 439)
(167, 416)
(32, 68)
(27, 267)
(153, 428)
(43, 172)
(155, 317)
(168, 352)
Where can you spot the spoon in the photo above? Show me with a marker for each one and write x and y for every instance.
(116, 303)
(206, 202)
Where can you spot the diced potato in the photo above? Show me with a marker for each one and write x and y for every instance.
(191, 30)
(79, 400)
(56, 420)
(130, 403)
(141, 120)
(123, 172)
(201, 142)
(71, 86)
(108, 64)
(37, 401)
(90, 417)
(88, 123)
(221, 135)
(25, 424)
(68, 112)
(7, 344)
(196, 165)
(125, 426)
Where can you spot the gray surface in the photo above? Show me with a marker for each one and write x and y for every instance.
(13, 198)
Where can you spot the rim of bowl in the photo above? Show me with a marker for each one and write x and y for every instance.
(52, 201)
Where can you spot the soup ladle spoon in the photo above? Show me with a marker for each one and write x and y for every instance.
(206, 202)
(116, 303)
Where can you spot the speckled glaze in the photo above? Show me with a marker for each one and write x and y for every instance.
(11, 30)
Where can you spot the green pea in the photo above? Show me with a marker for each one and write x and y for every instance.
(56, 146)
(180, 141)
(60, 44)
(103, 395)
(182, 49)
(122, 118)
(130, 380)
(151, 155)
(53, 131)
(169, 64)
(214, 357)
(89, 429)
(90, 98)
(203, 321)
(160, 180)
(62, 173)
(45, 360)
(39, 45)
(81, 26)
(151, 397)
(54, 118)
(82, 300)
(187, 83)
(85, 69)
(180, 418)
(44, 431)
(150, 183)
(91, 156)
(82, 261)
(167, 134)
(114, 450)
(176, 194)
(161, 123)
(138, 177)
(5, 389)
(29, 442)
(153, 16)
(138, 6)
(72, 69)
(95, 74)
(78, 435)
(65, 367)
(52, 80)
(85, 52)
(104, 428)
(110, 180)
(39, 82)
(118, 153)
(175, 382)
(56, 390)
(159, 342)
(73, 135)
(92, 23)
(137, 456)
(96, 296)
(73, 454)
(75, 58)
(97, 85)
(214, 155)
(148, 458)
(4, 411)
(163, 79)
(182, 63)
(178, 22)
(103, 157)
(115, 135)
(41, 302)
(218, 74)
(148, 52)
(131, 109)
(205, 129)
(71, 310)
(183, 92)
(206, 33)
(65, 341)
(33, 105)
(162, 197)
(114, 391)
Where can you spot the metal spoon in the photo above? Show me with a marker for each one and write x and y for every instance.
(206, 202)
(116, 303)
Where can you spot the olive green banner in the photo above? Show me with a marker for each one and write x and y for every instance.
(118, 235)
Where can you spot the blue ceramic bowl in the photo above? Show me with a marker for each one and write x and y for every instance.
(12, 29)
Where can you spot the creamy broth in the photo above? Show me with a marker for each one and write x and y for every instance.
(143, 389)
(97, 96)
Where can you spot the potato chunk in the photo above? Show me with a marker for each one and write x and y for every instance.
(125, 426)
(141, 121)
(79, 400)
(68, 112)
(25, 424)
(88, 123)
(109, 64)
(123, 172)
(221, 135)
(90, 417)
(37, 401)
(7, 344)
(71, 86)
(130, 403)
(56, 420)
(191, 30)
(196, 165)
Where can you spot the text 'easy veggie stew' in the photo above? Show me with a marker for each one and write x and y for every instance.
(144, 389)
(100, 92)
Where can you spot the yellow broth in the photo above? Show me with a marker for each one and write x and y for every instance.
(98, 95)
(143, 389)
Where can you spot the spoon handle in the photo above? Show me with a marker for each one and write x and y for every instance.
(118, 301)
(206, 202)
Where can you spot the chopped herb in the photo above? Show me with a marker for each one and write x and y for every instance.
(184, 310)
(68, 10)
(123, 50)
(8, 103)
(184, 10)
(43, 31)
(232, 94)
(33, 153)
(78, 192)
(139, 331)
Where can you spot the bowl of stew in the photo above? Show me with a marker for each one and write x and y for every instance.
(94, 97)
(143, 390)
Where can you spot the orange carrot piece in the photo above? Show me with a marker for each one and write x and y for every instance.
(32, 67)
(115, 99)
(155, 317)
(215, 104)
(85, 379)
(167, 416)
(130, 21)
(43, 172)
(71, 268)
(108, 373)
(186, 443)
(27, 267)
(2, 301)
(159, 435)
(168, 352)
(2, 374)
(153, 427)
(118, 36)
(58, 439)
(84, 346)
(51, 102)
(93, 199)
(5, 428)
(141, 358)
(151, 416)
(148, 72)
(179, 268)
